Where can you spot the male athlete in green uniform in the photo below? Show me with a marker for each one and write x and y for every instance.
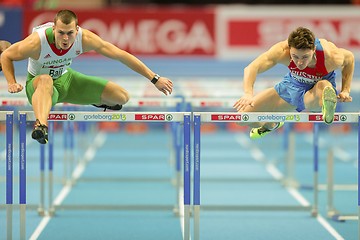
(50, 50)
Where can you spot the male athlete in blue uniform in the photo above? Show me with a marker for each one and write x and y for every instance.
(50, 50)
(310, 83)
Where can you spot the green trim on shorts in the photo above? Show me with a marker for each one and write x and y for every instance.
(72, 87)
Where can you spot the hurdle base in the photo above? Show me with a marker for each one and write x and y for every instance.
(338, 217)
(18, 206)
(176, 211)
(51, 211)
(314, 212)
(255, 208)
(41, 211)
(113, 207)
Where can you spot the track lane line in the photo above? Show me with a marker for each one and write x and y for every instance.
(78, 171)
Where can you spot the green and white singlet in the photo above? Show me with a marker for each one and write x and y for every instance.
(68, 85)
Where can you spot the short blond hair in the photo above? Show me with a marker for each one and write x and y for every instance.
(66, 17)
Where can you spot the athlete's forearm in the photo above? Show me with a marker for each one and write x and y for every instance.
(138, 66)
(4, 45)
(110, 51)
(347, 73)
(249, 80)
(8, 69)
(346, 83)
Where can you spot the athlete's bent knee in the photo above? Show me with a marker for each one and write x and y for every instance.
(323, 83)
(43, 81)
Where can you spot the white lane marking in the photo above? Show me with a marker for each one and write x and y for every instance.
(88, 156)
(294, 192)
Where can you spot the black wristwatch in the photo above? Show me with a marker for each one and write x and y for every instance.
(155, 78)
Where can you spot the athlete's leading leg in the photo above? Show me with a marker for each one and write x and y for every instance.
(322, 97)
(113, 96)
(84, 89)
(41, 99)
(42, 102)
(267, 101)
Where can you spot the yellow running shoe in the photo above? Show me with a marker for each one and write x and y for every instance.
(329, 101)
(260, 132)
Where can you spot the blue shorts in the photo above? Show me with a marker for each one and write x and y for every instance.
(293, 91)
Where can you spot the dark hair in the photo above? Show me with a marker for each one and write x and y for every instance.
(301, 38)
(66, 17)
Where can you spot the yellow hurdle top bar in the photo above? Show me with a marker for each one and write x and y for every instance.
(77, 116)
(339, 117)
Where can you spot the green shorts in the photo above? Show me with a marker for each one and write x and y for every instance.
(72, 87)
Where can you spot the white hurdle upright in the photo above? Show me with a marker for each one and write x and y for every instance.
(221, 117)
(75, 116)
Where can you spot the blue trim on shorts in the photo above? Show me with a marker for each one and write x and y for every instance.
(293, 91)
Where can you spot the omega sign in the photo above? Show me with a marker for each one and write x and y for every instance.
(143, 32)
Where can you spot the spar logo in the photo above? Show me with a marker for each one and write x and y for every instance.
(154, 117)
(58, 116)
(226, 117)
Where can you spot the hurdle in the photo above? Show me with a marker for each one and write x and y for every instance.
(135, 103)
(226, 103)
(176, 104)
(158, 103)
(223, 117)
(163, 117)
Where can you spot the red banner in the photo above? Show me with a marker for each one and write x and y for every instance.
(267, 31)
(249, 31)
(221, 31)
(158, 31)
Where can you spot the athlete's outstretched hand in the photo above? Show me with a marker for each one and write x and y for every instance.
(344, 97)
(15, 88)
(164, 85)
(243, 102)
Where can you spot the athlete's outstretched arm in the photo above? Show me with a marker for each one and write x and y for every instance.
(276, 54)
(344, 60)
(3, 45)
(347, 73)
(29, 47)
(92, 41)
